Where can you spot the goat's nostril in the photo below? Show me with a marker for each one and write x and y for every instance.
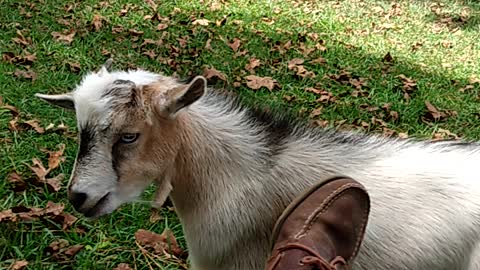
(77, 199)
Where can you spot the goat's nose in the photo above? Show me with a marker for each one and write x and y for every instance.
(77, 199)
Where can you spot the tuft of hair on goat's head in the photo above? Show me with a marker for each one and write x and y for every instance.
(127, 124)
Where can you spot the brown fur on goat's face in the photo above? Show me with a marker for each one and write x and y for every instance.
(111, 107)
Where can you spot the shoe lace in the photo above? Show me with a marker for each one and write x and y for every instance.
(315, 259)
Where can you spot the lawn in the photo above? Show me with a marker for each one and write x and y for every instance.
(405, 68)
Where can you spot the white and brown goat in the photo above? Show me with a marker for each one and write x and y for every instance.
(230, 170)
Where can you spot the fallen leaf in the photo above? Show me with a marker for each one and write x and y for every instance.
(208, 45)
(409, 86)
(256, 82)
(38, 169)
(316, 112)
(17, 181)
(203, 22)
(18, 265)
(66, 36)
(433, 111)
(74, 67)
(20, 39)
(296, 65)
(162, 26)
(468, 87)
(73, 250)
(8, 215)
(135, 32)
(319, 60)
(172, 246)
(209, 73)
(122, 266)
(294, 62)
(235, 44)
(25, 74)
(150, 53)
(152, 4)
(97, 22)
(55, 157)
(252, 64)
(13, 110)
(55, 184)
(26, 59)
(34, 124)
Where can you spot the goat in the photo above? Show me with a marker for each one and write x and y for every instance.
(230, 170)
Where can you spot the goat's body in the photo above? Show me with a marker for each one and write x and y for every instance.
(232, 172)
(233, 181)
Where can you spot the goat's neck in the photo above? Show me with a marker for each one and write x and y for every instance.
(215, 148)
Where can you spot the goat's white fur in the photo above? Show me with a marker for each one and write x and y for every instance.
(425, 197)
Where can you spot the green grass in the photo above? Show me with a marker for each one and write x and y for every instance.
(433, 43)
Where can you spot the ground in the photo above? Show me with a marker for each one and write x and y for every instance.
(405, 68)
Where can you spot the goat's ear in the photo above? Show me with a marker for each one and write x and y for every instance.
(106, 67)
(181, 97)
(63, 100)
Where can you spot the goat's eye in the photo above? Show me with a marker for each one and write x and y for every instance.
(129, 137)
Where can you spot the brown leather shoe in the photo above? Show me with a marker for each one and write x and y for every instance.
(322, 229)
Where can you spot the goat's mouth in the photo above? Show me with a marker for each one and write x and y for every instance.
(96, 209)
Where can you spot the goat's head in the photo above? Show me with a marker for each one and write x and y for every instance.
(126, 123)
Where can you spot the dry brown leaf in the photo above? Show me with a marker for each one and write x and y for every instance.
(152, 4)
(252, 64)
(25, 74)
(294, 62)
(55, 184)
(203, 22)
(150, 53)
(296, 65)
(256, 82)
(209, 73)
(358, 83)
(55, 157)
(409, 86)
(8, 215)
(17, 181)
(13, 110)
(135, 32)
(20, 39)
(34, 124)
(319, 60)
(38, 168)
(61, 250)
(74, 66)
(97, 22)
(235, 44)
(26, 59)
(433, 111)
(316, 112)
(73, 250)
(208, 45)
(160, 243)
(326, 97)
(468, 87)
(18, 265)
(122, 266)
(66, 36)
(162, 26)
